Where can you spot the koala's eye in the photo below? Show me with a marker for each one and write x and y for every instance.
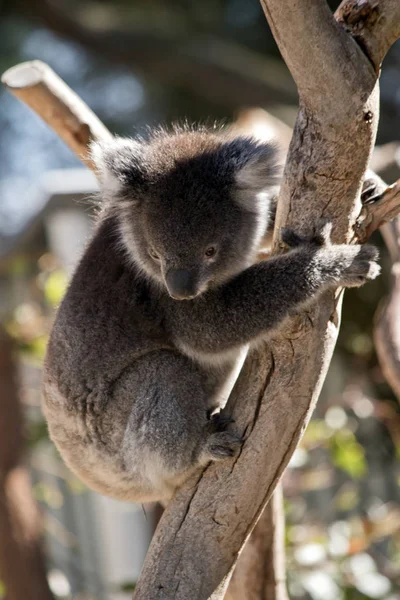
(210, 252)
(154, 255)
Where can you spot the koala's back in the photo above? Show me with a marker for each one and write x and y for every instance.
(106, 307)
(107, 319)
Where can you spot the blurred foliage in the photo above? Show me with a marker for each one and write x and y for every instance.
(342, 508)
(348, 454)
(127, 586)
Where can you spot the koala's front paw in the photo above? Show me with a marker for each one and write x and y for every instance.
(363, 267)
(349, 266)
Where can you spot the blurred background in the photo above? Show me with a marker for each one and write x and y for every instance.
(139, 63)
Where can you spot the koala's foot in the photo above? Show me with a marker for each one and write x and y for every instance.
(220, 443)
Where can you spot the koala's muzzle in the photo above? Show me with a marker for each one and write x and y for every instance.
(182, 284)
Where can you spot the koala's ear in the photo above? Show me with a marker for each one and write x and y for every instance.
(120, 165)
(256, 172)
(256, 167)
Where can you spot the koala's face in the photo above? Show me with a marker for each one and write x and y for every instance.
(191, 239)
(192, 208)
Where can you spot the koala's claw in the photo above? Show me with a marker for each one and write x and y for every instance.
(291, 238)
(223, 444)
(320, 236)
(368, 191)
(355, 264)
(219, 421)
(364, 265)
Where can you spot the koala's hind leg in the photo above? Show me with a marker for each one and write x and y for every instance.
(169, 430)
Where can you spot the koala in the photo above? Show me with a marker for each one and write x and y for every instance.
(165, 302)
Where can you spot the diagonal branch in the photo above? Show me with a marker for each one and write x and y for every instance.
(36, 84)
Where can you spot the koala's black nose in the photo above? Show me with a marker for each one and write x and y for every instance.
(181, 284)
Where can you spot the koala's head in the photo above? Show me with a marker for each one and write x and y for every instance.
(192, 206)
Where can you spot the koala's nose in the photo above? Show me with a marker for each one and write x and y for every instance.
(181, 284)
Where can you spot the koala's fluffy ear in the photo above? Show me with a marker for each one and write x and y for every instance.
(256, 169)
(119, 164)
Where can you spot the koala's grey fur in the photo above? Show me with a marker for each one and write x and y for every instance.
(132, 374)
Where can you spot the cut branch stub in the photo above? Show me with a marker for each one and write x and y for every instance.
(36, 84)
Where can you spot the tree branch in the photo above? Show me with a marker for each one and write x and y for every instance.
(36, 84)
(321, 56)
(202, 531)
(260, 571)
(374, 24)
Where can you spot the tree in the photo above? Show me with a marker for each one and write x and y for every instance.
(335, 63)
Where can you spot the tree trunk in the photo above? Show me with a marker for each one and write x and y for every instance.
(260, 570)
(203, 531)
(22, 569)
